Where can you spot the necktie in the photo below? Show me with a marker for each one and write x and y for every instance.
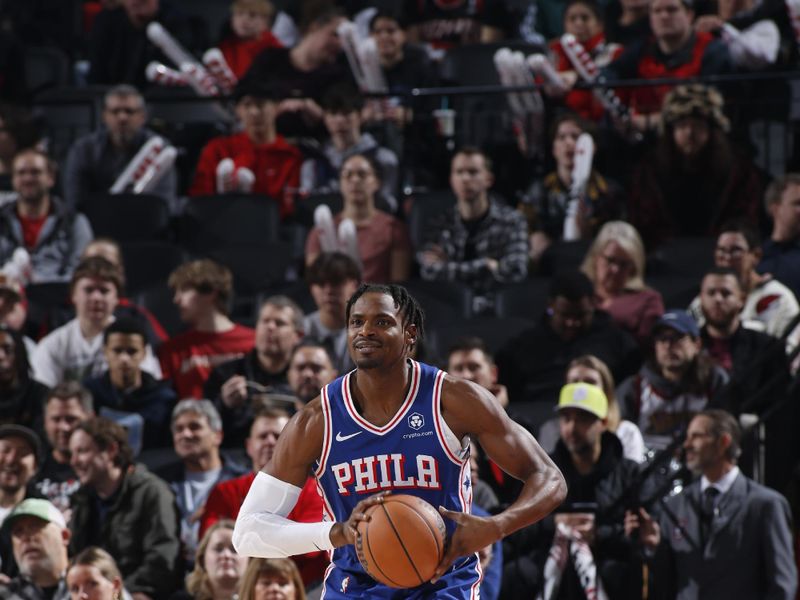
(707, 512)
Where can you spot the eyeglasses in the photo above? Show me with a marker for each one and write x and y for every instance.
(732, 251)
(620, 263)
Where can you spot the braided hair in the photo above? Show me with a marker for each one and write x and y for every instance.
(403, 301)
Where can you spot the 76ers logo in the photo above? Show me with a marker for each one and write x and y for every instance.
(415, 421)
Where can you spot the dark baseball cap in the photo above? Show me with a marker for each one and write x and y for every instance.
(18, 431)
(680, 321)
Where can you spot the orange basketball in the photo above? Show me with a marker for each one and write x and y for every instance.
(402, 543)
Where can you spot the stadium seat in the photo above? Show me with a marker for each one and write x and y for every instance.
(171, 105)
(46, 67)
(149, 263)
(563, 256)
(228, 220)
(473, 64)
(67, 114)
(49, 306)
(255, 267)
(682, 256)
(158, 300)
(494, 331)
(425, 207)
(296, 290)
(127, 217)
(527, 300)
(454, 298)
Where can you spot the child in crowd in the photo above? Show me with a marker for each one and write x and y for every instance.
(250, 34)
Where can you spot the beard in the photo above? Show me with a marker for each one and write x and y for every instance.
(31, 568)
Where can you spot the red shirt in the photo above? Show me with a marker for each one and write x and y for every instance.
(188, 358)
(649, 99)
(276, 167)
(226, 498)
(377, 241)
(239, 53)
(31, 228)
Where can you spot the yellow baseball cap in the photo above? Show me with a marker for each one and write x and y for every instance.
(586, 397)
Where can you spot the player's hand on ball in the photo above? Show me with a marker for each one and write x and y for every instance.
(346, 533)
(471, 535)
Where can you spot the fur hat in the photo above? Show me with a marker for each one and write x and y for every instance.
(694, 100)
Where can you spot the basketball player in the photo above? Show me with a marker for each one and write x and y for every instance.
(393, 424)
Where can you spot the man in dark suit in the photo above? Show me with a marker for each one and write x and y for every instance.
(725, 536)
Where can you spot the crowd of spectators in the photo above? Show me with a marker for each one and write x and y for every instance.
(638, 313)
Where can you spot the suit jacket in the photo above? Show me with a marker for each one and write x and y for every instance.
(748, 553)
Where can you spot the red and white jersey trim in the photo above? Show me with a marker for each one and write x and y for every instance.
(327, 433)
(404, 408)
(440, 425)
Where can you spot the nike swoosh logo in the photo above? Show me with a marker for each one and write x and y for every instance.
(342, 438)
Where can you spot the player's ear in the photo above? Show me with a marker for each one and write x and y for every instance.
(411, 334)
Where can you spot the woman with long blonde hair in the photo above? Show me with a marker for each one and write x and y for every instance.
(615, 265)
(218, 569)
(93, 575)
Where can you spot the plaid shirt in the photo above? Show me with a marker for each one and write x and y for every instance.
(21, 588)
(502, 236)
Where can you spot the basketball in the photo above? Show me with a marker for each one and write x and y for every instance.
(402, 543)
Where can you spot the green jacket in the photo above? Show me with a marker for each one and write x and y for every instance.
(140, 530)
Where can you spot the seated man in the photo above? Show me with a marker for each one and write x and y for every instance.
(20, 456)
(332, 277)
(232, 385)
(37, 221)
(74, 351)
(124, 509)
(341, 113)
(310, 368)
(196, 436)
(258, 159)
(533, 364)
(598, 476)
(96, 160)
(66, 406)
(782, 249)
(480, 242)
(127, 394)
(35, 523)
(758, 368)
(226, 498)
(545, 202)
(769, 306)
(202, 291)
(677, 383)
(21, 396)
(675, 49)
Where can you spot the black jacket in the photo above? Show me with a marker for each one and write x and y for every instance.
(236, 422)
(532, 365)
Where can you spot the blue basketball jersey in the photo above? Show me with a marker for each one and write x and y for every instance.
(414, 453)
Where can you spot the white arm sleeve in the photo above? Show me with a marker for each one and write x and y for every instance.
(263, 530)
